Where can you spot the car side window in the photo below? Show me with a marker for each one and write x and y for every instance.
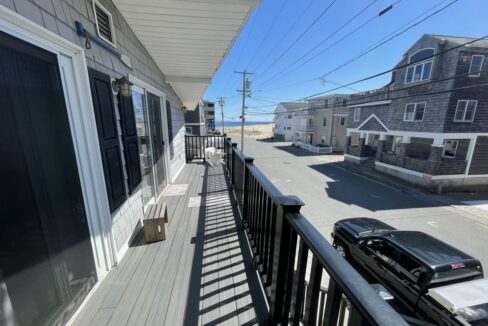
(402, 265)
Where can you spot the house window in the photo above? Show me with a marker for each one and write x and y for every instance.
(476, 65)
(414, 112)
(450, 148)
(189, 130)
(357, 113)
(343, 121)
(324, 123)
(465, 110)
(104, 23)
(289, 116)
(421, 67)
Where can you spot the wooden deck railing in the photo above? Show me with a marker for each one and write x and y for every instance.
(291, 257)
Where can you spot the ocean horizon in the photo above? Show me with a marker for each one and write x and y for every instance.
(218, 124)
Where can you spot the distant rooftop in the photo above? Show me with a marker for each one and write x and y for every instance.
(292, 106)
(458, 40)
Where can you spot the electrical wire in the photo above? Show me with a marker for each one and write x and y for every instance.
(326, 39)
(300, 36)
(383, 41)
(393, 69)
(299, 17)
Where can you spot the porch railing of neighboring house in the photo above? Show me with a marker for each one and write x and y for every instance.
(291, 255)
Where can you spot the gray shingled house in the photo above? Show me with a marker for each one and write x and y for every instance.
(429, 124)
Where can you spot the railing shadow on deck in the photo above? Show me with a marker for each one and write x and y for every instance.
(293, 260)
(222, 284)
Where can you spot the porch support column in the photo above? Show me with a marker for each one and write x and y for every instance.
(362, 144)
(435, 155)
(379, 151)
(403, 151)
(469, 156)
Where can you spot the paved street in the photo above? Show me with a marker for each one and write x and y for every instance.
(331, 193)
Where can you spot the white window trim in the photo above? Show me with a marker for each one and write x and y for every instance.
(419, 63)
(481, 66)
(414, 112)
(111, 21)
(464, 115)
(455, 150)
(358, 110)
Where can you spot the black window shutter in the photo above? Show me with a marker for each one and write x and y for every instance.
(108, 137)
(170, 130)
(131, 147)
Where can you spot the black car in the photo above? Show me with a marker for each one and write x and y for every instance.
(406, 263)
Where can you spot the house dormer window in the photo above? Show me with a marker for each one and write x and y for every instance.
(104, 23)
(476, 65)
(420, 66)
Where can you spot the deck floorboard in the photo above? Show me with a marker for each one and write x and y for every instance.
(198, 276)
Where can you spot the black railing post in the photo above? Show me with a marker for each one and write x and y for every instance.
(186, 148)
(234, 147)
(245, 190)
(281, 262)
(333, 304)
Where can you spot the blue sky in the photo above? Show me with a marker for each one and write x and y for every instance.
(276, 24)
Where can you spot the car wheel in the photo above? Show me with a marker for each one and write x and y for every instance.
(342, 250)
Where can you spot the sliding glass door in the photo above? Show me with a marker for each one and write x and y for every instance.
(46, 260)
(149, 123)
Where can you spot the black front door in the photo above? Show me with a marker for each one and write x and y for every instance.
(46, 261)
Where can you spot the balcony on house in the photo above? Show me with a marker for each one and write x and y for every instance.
(237, 252)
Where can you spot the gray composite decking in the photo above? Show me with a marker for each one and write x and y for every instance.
(198, 276)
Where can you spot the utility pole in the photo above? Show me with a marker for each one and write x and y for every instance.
(245, 91)
(222, 103)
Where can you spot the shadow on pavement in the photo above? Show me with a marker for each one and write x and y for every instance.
(352, 189)
(295, 151)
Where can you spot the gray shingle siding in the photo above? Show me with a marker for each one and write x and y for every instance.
(59, 16)
(440, 108)
(480, 123)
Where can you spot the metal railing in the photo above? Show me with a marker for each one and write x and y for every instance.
(195, 145)
(291, 256)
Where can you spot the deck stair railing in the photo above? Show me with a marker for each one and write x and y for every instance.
(294, 260)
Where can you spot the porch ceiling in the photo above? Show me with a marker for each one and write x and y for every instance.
(188, 39)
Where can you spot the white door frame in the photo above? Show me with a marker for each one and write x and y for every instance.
(149, 88)
(74, 75)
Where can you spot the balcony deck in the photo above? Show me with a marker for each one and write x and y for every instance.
(198, 276)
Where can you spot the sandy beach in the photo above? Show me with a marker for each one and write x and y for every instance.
(256, 131)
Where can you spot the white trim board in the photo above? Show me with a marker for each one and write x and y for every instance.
(433, 177)
(385, 102)
(421, 134)
(76, 86)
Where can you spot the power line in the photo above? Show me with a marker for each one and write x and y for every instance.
(395, 98)
(299, 37)
(268, 31)
(385, 40)
(390, 38)
(393, 69)
(325, 39)
(299, 17)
